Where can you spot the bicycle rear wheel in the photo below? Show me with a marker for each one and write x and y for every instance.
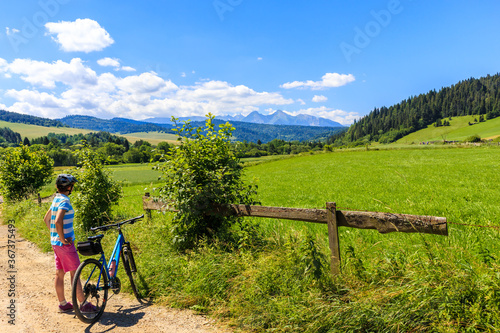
(130, 268)
(94, 283)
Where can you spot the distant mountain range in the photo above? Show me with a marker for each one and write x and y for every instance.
(259, 130)
(251, 132)
(277, 118)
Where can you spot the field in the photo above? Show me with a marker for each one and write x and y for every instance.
(278, 279)
(458, 130)
(152, 137)
(34, 131)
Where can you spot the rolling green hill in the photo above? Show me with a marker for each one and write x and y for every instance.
(471, 97)
(152, 137)
(35, 131)
(458, 130)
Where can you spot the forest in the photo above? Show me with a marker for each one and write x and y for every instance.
(387, 124)
(13, 117)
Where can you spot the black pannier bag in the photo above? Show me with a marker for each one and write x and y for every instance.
(89, 248)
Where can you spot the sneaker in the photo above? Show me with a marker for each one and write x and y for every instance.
(88, 308)
(66, 308)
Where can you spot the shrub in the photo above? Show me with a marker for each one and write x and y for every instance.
(473, 138)
(95, 191)
(200, 174)
(23, 171)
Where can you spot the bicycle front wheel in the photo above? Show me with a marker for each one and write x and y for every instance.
(130, 268)
(90, 291)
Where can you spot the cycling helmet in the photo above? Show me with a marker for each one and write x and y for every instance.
(65, 180)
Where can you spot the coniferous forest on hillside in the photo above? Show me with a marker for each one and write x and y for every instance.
(388, 124)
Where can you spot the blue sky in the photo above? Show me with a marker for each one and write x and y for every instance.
(334, 59)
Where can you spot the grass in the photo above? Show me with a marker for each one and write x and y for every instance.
(152, 137)
(278, 280)
(458, 130)
(133, 174)
(34, 131)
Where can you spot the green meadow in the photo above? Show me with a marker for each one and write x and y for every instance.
(458, 130)
(278, 278)
(34, 131)
(152, 137)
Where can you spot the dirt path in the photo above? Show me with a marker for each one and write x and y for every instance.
(36, 302)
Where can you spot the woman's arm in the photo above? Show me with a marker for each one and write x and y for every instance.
(60, 226)
(46, 218)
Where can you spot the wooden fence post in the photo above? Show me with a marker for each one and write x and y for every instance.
(39, 199)
(148, 211)
(333, 237)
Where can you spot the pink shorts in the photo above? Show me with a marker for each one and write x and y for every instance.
(66, 257)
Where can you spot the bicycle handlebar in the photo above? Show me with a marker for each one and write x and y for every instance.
(117, 225)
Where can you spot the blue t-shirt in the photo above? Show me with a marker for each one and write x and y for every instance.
(61, 201)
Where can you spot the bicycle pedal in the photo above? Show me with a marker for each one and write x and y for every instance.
(115, 285)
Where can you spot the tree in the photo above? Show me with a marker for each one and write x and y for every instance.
(24, 171)
(133, 155)
(95, 192)
(202, 174)
(26, 142)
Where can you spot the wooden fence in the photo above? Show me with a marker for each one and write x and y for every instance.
(382, 222)
(41, 200)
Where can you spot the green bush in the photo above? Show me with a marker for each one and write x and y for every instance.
(473, 138)
(24, 171)
(201, 175)
(95, 191)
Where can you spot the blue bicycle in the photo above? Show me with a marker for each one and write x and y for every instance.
(94, 278)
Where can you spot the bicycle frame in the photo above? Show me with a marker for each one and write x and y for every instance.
(115, 255)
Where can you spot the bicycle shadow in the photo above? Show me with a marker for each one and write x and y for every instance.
(119, 317)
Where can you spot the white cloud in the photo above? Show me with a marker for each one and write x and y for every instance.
(229, 98)
(109, 62)
(3, 65)
(329, 80)
(146, 83)
(259, 58)
(10, 31)
(340, 116)
(319, 98)
(82, 35)
(127, 69)
(183, 74)
(46, 75)
(60, 88)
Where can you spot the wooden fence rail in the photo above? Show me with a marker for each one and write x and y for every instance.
(382, 222)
